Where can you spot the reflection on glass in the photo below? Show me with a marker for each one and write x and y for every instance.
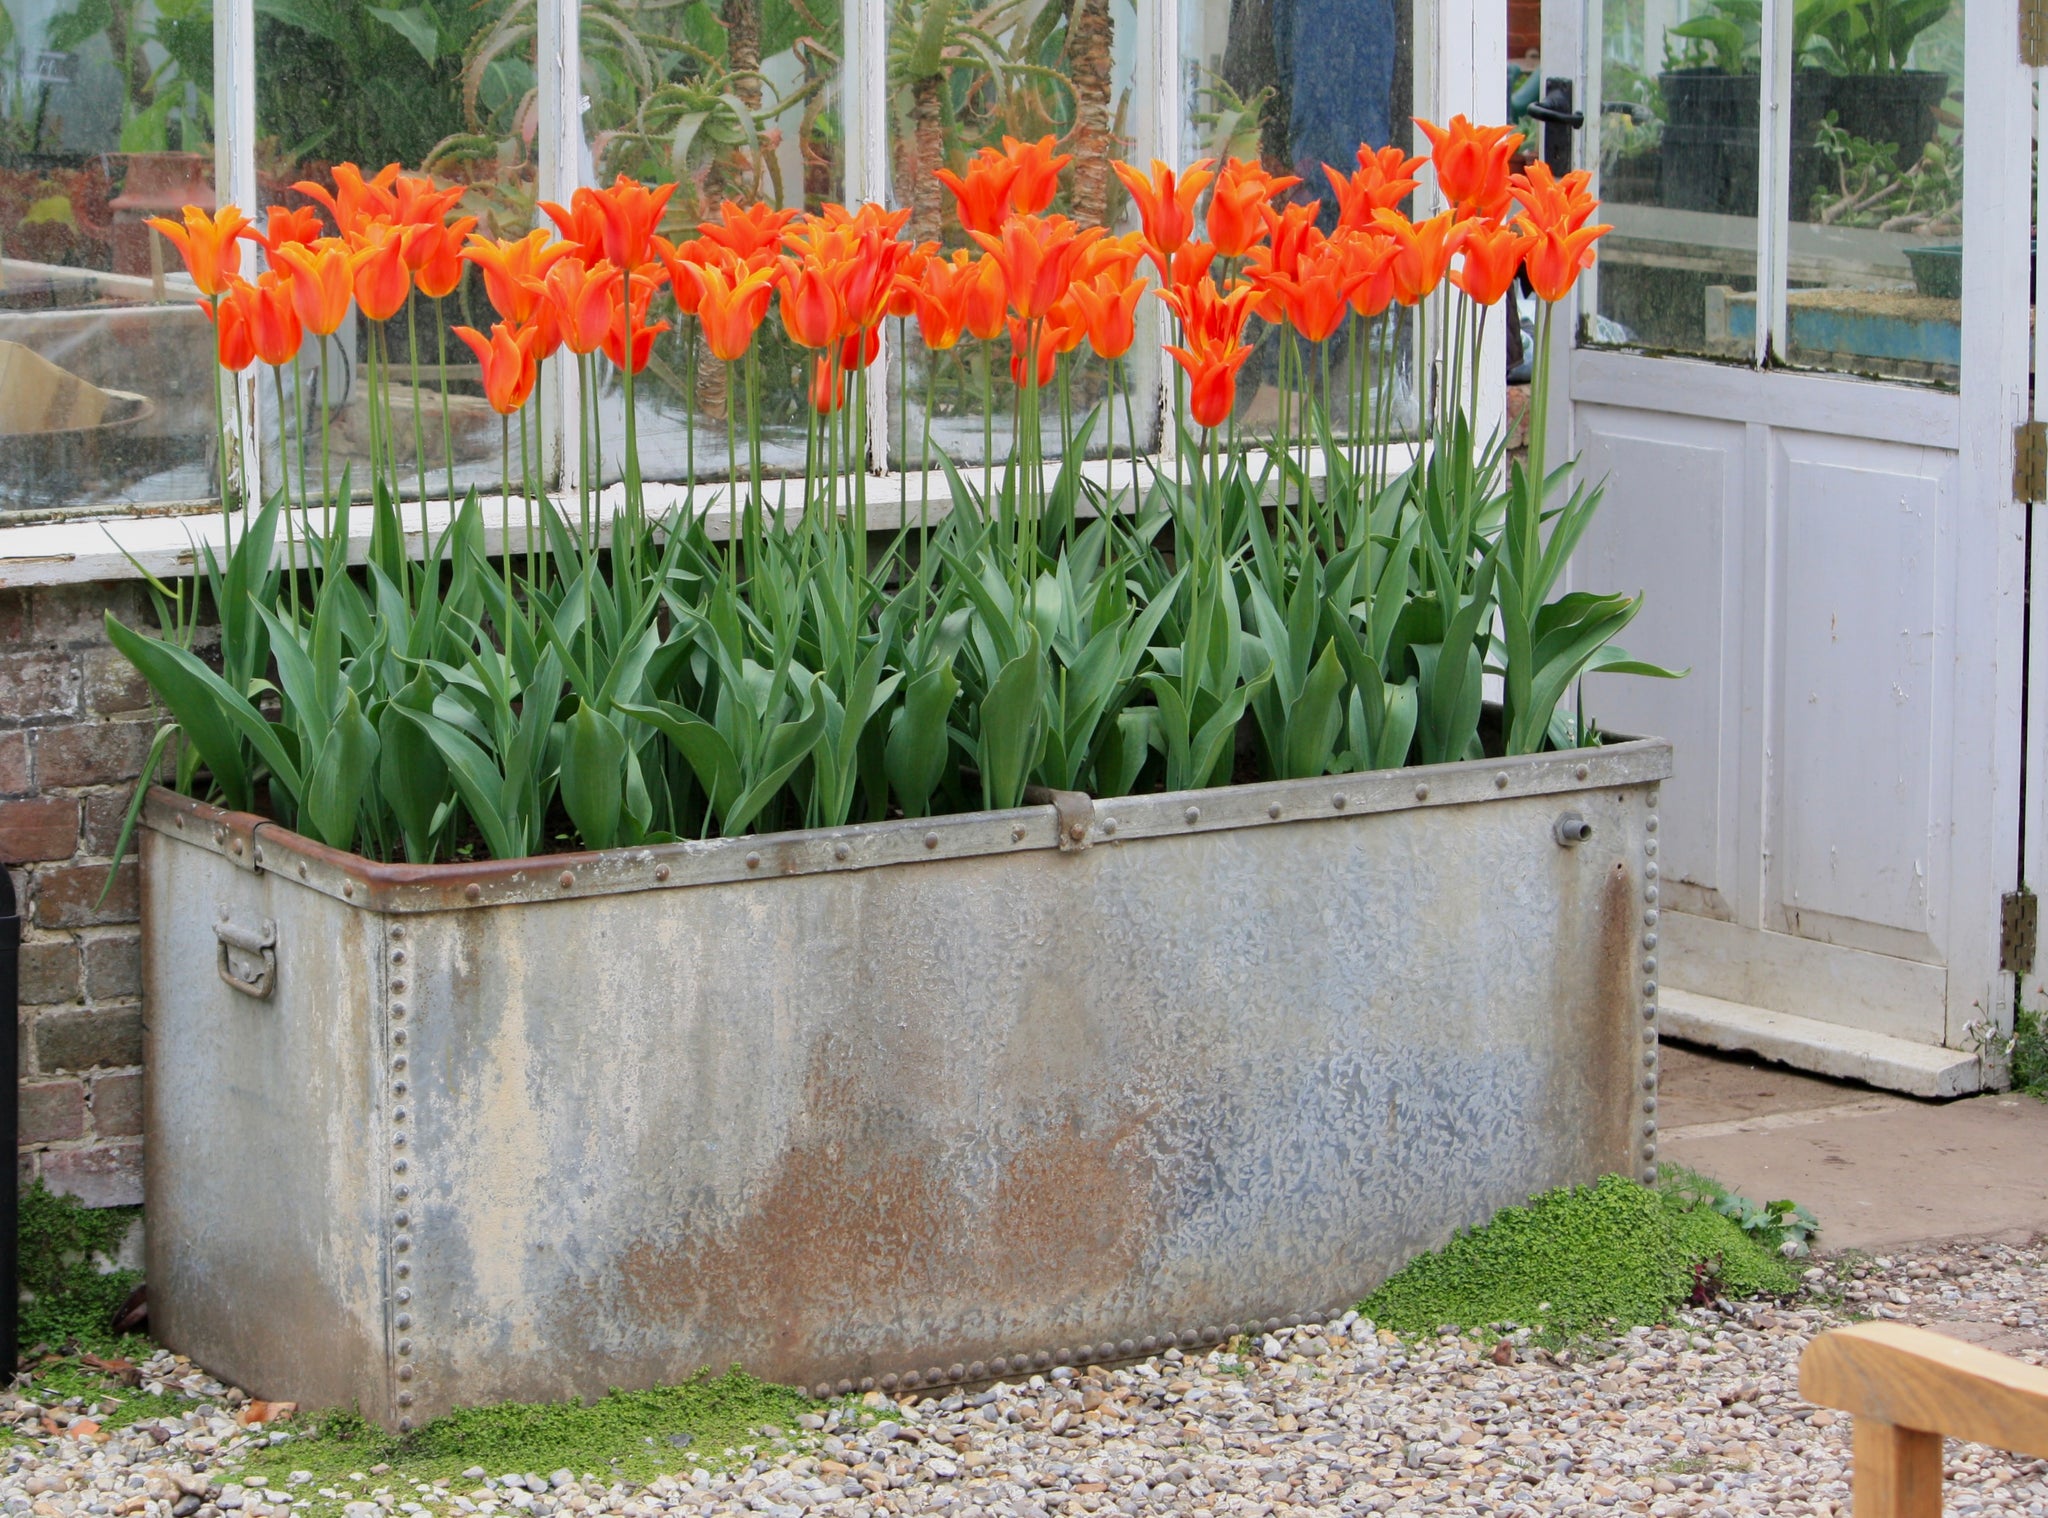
(106, 119)
(445, 88)
(1875, 267)
(962, 79)
(736, 101)
(1676, 133)
(1295, 85)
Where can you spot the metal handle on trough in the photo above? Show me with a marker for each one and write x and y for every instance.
(248, 957)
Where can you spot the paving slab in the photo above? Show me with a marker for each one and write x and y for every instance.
(1879, 1171)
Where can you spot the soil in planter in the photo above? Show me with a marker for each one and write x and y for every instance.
(1585, 1260)
(634, 1436)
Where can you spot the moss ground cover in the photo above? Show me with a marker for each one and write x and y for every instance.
(1582, 1260)
(69, 1290)
(714, 1422)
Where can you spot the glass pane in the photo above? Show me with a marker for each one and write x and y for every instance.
(962, 79)
(105, 364)
(1678, 87)
(1295, 85)
(445, 89)
(1875, 265)
(736, 101)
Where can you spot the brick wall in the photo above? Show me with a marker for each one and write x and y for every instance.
(75, 727)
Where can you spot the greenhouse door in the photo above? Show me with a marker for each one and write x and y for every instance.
(1801, 383)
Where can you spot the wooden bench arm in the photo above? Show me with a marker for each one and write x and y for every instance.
(1907, 1388)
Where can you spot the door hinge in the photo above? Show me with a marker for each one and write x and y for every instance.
(2019, 915)
(2034, 33)
(2030, 456)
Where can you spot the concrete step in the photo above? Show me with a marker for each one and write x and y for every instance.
(1806, 1043)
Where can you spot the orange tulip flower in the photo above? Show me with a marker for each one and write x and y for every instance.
(288, 226)
(1037, 256)
(266, 310)
(380, 277)
(1110, 311)
(1115, 256)
(1316, 300)
(1166, 206)
(508, 364)
(1555, 258)
(434, 253)
(982, 195)
(1492, 255)
(630, 211)
(746, 231)
(812, 311)
(642, 336)
(828, 385)
(1371, 259)
(1548, 201)
(234, 344)
(941, 296)
(1037, 178)
(860, 348)
(1471, 163)
(682, 263)
(418, 202)
(322, 283)
(986, 300)
(1207, 315)
(582, 298)
(1422, 251)
(1212, 368)
(1237, 205)
(1383, 180)
(513, 268)
(731, 309)
(210, 245)
(580, 223)
(1192, 263)
(354, 201)
(1030, 340)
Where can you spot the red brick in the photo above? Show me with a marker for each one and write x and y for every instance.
(76, 614)
(113, 968)
(50, 972)
(106, 1175)
(88, 1040)
(14, 618)
(112, 684)
(14, 779)
(117, 1105)
(68, 896)
(51, 1111)
(92, 753)
(38, 683)
(101, 815)
(43, 827)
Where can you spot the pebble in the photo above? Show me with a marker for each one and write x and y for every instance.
(1701, 1417)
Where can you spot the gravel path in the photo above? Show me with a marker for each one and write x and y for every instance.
(1702, 1417)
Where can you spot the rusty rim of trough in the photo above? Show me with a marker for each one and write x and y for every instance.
(1065, 821)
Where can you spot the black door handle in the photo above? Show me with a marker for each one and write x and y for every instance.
(1559, 120)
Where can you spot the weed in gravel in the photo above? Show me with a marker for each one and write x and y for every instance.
(1578, 1260)
(631, 1436)
(2029, 1053)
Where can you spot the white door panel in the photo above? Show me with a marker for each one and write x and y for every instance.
(1859, 778)
(1668, 527)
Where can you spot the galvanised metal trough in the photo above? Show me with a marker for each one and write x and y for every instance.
(895, 1105)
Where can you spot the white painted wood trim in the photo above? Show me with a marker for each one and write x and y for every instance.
(234, 181)
(558, 44)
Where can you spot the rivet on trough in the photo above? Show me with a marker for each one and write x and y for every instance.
(1649, 1175)
(845, 1386)
(1650, 918)
(1649, 1059)
(1649, 940)
(302, 869)
(1211, 1335)
(348, 888)
(1231, 1330)
(405, 1425)
(1650, 1013)
(401, 1270)
(1041, 1359)
(1148, 1344)
(1571, 830)
(1650, 871)
(867, 1383)
(661, 872)
(912, 1379)
(1650, 894)
(401, 1193)
(1651, 800)
(1017, 833)
(1650, 1033)
(473, 892)
(237, 845)
(401, 1220)
(1500, 781)
(956, 1372)
(403, 1295)
(1580, 773)
(397, 955)
(1077, 832)
(1272, 1325)
(398, 1114)
(889, 1382)
(1649, 848)
(999, 1365)
(1649, 1105)
(841, 852)
(1125, 1347)
(1109, 827)
(1273, 810)
(1649, 964)
(1086, 1352)
(397, 986)
(405, 1399)
(935, 1375)
(822, 1389)
(753, 861)
(1192, 815)
(399, 1166)
(977, 1370)
(1189, 1338)
(566, 879)
(1063, 1357)
(931, 840)
(405, 1346)
(1650, 988)
(1422, 793)
(259, 853)
(403, 1320)
(1650, 1079)
(398, 1035)
(1650, 1129)
(1649, 824)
